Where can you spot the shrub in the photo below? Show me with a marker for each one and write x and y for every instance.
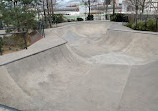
(151, 24)
(113, 17)
(133, 26)
(57, 18)
(141, 25)
(79, 19)
(71, 20)
(119, 18)
(129, 24)
(90, 17)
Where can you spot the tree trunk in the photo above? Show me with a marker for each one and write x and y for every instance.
(89, 5)
(113, 7)
(136, 12)
(52, 10)
(143, 6)
(106, 11)
(45, 18)
(50, 20)
(17, 18)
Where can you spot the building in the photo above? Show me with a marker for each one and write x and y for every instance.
(75, 10)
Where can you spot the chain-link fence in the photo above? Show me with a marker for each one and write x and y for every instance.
(13, 41)
(40, 28)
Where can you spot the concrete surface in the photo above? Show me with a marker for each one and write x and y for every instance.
(84, 66)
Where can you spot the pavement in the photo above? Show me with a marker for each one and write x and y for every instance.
(83, 66)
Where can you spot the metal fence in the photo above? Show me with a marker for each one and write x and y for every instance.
(13, 41)
(1, 25)
(145, 18)
(40, 28)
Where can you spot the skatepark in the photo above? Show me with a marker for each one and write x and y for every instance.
(83, 66)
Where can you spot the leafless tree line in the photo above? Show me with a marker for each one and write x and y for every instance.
(46, 7)
(141, 5)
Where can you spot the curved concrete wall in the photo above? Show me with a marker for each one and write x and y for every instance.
(133, 43)
(25, 82)
(140, 93)
(56, 77)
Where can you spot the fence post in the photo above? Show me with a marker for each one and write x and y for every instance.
(136, 23)
(1, 25)
(156, 24)
(25, 40)
(1, 44)
(145, 24)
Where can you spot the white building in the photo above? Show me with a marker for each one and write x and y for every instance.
(83, 10)
(98, 10)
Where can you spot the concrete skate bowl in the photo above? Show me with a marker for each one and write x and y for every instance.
(78, 31)
(118, 73)
(101, 41)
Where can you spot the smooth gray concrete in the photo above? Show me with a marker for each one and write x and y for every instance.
(103, 66)
(140, 93)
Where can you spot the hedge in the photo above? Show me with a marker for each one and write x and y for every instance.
(147, 25)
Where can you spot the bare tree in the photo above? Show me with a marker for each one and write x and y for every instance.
(44, 11)
(113, 7)
(154, 5)
(106, 4)
(142, 4)
(52, 8)
(48, 12)
(134, 4)
(89, 4)
(139, 5)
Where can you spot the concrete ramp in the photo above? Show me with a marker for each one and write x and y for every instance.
(95, 68)
(10, 92)
(140, 93)
(35, 80)
(132, 43)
